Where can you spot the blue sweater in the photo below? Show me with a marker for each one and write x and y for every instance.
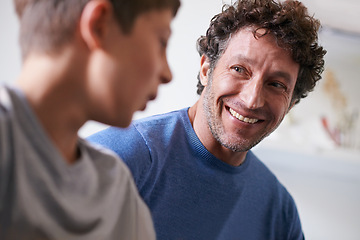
(193, 195)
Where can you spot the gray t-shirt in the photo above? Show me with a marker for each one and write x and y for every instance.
(43, 197)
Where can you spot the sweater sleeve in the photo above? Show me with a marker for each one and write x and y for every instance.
(129, 145)
(295, 230)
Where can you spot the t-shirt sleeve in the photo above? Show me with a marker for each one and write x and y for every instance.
(129, 145)
(2, 137)
(5, 150)
(4, 128)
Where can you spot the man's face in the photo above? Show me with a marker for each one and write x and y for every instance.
(249, 91)
(134, 66)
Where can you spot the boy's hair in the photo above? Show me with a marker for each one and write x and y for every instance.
(46, 25)
(288, 21)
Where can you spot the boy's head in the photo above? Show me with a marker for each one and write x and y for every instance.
(47, 25)
(112, 53)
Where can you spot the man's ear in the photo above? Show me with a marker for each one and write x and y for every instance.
(94, 22)
(204, 70)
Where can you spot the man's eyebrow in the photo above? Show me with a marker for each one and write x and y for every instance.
(243, 58)
(285, 75)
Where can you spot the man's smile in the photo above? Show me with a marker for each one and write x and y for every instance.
(242, 118)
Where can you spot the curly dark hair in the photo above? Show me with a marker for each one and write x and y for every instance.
(288, 21)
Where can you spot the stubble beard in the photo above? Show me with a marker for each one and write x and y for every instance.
(217, 129)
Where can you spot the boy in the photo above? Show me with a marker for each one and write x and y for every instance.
(83, 60)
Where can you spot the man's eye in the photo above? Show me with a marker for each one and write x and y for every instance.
(241, 72)
(278, 85)
(238, 69)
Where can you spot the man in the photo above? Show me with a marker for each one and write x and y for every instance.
(194, 167)
(81, 61)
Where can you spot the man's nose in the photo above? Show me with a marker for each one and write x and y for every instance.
(252, 93)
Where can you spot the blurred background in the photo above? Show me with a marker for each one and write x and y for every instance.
(315, 153)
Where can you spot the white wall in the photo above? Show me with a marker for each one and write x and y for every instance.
(322, 178)
(10, 59)
(325, 187)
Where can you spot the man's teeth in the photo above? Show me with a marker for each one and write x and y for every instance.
(242, 118)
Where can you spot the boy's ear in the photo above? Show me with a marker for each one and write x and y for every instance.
(204, 70)
(94, 22)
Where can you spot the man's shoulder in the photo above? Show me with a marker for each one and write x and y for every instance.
(159, 122)
(259, 166)
(142, 133)
(265, 175)
(163, 118)
(269, 186)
